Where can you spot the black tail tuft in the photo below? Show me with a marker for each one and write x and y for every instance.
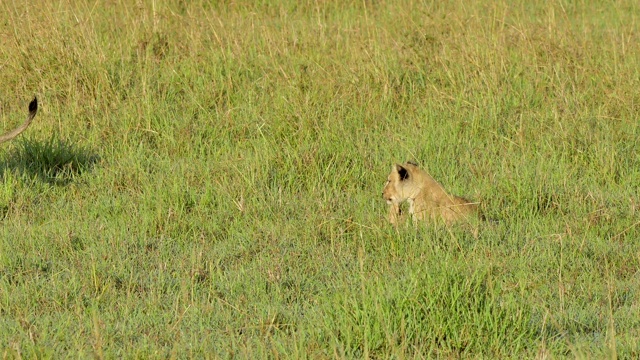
(33, 105)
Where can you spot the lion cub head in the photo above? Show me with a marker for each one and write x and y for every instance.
(402, 183)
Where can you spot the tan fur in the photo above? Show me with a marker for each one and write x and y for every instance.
(33, 109)
(428, 200)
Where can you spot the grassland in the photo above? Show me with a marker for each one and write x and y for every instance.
(204, 180)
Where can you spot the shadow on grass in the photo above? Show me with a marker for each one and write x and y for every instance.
(53, 161)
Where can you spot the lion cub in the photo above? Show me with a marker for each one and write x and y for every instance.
(428, 201)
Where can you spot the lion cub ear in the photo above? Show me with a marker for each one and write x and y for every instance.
(402, 171)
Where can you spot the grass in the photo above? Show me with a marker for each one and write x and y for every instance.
(204, 179)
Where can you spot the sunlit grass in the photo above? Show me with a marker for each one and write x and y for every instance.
(205, 180)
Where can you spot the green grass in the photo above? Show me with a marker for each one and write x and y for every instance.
(204, 179)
